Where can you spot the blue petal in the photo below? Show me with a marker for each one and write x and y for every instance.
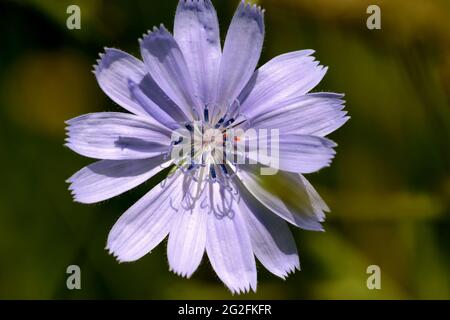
(196, 31)
(316, 114)
(272, 241)
(113, 71)
(167, 66)
(142, 227)
(293, 152)
(241, 52)
(154, 110)
(116, 136)
(307, 213)
(105, 179)
(285, 77)
(187, 238)
(228, 243)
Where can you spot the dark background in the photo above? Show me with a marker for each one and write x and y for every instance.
(388, 188)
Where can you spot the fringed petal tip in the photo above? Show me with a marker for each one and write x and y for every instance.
(120, 257)
(329, 143)
(150, 34)
(344, 119)
(254, 12)
(75, 195)
(69, 122)
(113, 253)
(183, 274)
(103, 61)
(308, 52)
(338, 95)
(80, 199)
(322, 69)
(77, 200)
(76, 119)
(242, 289)
(67, 144)
(206, 3)
(253, 9)
(321, 229)
(290, 271)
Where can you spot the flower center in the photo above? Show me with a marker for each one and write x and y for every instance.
(206, 147)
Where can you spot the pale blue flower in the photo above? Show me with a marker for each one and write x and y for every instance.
(206, 206)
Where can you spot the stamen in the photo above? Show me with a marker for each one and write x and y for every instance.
(212, 172)
(228, 122)
(224, 169)
(206, 114)
(219, 123)
(200, 159)
(180, 140)
(189, 127)
(203, 160)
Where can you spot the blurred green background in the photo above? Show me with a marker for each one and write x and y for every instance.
(389, 187)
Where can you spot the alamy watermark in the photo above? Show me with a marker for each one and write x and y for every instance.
(374, 280)
(73, 21)
(73, 281)
(374, 20)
